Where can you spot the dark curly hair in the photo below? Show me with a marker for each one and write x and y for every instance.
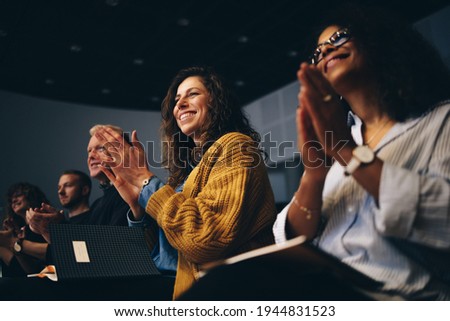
(224, 116)
(32, 193)
(411, 75)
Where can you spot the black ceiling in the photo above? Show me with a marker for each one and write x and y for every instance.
(123, 53)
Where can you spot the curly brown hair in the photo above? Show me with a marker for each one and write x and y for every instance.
(224, 116)
(32, 193)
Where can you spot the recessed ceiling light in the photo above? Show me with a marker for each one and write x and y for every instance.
(106, 91)
(138, 61)
(292, 53)
(239, 83)
(75, 48)
(183, 22)
(242, 39)
(112, 3)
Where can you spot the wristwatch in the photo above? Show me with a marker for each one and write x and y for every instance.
(361, 155)
(17, 247)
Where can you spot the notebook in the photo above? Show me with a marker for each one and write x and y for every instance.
(98, 251)
(299, 252)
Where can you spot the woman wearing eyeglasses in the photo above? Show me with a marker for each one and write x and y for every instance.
(373, 131)
(373, 104)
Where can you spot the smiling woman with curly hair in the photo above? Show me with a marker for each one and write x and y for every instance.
(218, 201)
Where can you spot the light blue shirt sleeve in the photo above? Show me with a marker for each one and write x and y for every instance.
(163, 254)
(154, 185)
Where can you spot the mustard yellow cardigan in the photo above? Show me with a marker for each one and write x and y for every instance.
(226, 208)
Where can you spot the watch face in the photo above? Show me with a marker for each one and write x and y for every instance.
(364, 154)
(17, 247)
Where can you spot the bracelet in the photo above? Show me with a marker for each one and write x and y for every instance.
(309, 212)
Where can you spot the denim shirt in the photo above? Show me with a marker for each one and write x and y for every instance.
(163, 254)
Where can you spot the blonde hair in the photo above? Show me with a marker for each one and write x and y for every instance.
(95, 128)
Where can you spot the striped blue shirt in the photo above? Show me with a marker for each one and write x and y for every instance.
(404, 241)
